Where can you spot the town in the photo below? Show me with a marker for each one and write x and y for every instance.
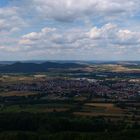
(118, 90)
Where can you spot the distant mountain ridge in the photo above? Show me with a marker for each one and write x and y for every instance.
(20, 67)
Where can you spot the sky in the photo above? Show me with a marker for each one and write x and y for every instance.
(69, 30)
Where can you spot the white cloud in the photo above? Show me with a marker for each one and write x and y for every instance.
(110, 35)
(107, 36)
(10, 20)
(125, 34)
(69, 10)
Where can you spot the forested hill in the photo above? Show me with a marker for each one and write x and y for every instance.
(20, 67)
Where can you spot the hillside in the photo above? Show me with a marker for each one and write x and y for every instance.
(20, 67)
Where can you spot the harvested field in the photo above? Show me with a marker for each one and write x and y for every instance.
(17, 93)
(107, 107)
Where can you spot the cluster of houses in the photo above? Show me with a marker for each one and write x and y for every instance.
(70, 87)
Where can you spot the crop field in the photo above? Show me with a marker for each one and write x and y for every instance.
(17, 94)
(80, 108)
(101, 109)
(107, 110)
(33, 109)
(106, 107)
(99, 98)
(36, 108)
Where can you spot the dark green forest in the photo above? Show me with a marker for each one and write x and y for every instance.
(61, 126)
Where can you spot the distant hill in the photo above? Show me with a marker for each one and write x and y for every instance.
(20, 67)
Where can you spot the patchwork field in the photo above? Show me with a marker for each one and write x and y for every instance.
(36, 108)
(107, 110)
(17, 94)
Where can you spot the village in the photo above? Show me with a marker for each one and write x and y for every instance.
(68, 88)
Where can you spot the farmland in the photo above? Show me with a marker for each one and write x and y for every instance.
(79, 101)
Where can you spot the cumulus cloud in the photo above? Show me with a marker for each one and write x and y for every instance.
(53, 37)
(10, 23)
(128, 37)
(109, 35)
(105, 31)
(73, 28)
(10, 20)
(69, 10)
(114, 35)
